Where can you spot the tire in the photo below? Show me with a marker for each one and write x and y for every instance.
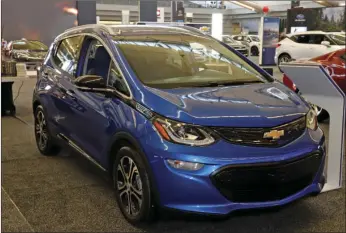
(284, 58)
(134, 184)
(44, 140)
(254, 51)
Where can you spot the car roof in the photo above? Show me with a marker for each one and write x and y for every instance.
(315, 32)
(130, 30)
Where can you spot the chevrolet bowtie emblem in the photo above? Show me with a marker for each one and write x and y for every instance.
(274, 134)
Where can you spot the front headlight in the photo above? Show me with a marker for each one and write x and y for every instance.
(183, 133)
(311, 120)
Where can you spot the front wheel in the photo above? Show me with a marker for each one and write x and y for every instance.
(132, 186)
(284, 58)
(254, 51)
(44, 140)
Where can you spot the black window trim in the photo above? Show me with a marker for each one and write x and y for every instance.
(63, 37)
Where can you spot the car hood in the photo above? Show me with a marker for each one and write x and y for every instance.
(237, 45)
(253, 105)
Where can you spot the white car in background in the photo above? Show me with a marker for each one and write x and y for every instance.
(306, 45)
(252, 41)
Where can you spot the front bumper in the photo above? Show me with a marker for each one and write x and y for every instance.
(198, 192)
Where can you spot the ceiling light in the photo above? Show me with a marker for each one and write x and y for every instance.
(243, 5)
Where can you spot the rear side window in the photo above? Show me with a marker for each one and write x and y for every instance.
(301, 39)
(67, 54)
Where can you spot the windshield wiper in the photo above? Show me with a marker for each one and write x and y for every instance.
(222, 84)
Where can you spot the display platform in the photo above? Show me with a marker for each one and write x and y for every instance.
(318, 88)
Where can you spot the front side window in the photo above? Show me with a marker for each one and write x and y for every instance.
(97, 60)
(316, 39)
(67, 54)
(338, 39)
(185, 60)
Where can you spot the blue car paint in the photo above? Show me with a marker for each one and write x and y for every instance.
(93, 121)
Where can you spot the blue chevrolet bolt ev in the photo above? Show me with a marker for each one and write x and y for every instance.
(179, 119)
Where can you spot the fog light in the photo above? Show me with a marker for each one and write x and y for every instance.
(177, 164)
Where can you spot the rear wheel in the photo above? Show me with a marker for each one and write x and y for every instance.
(44, 140)
(132, 186)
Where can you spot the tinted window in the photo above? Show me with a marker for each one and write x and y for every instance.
(302, 39)
(316, 39)
(29, 45)
(116, 80)
(67, 55)
(185, 60)
(97, 60)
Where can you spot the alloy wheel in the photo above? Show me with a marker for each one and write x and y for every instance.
(284, 59)
(41, 130)
(129, 185)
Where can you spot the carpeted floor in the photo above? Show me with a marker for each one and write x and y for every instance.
(66, 193)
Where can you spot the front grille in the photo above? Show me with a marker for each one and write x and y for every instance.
(255, 136)
(260, 182)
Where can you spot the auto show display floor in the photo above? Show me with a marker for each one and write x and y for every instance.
(67, 193)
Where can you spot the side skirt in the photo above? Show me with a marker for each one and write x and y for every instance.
(80, 150)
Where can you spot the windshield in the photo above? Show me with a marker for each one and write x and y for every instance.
(228, 39)
(338, 39)
(185, 60)
(29, 45)
(255, 38)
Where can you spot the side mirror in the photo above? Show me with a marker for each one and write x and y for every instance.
(325, 43)
(89, 82)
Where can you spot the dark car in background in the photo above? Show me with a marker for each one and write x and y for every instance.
(31, 52)
(335, 65)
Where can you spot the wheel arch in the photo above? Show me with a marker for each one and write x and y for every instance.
(121, 139)
(284, 53)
